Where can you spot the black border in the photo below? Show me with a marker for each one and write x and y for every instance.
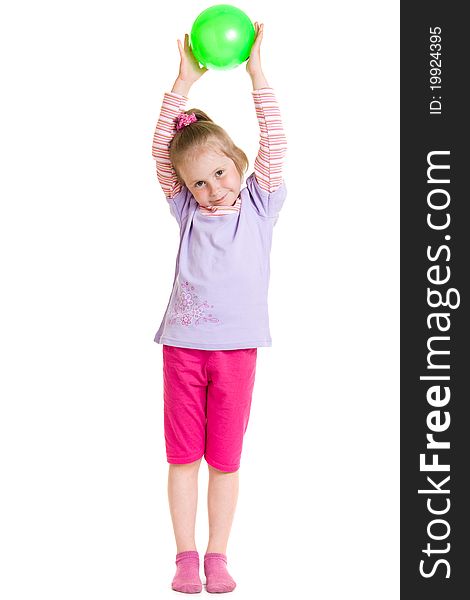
(422, 133)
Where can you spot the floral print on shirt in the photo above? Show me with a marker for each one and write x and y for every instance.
(188, 309)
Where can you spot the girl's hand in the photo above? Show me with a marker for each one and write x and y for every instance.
(253, 66)
(190, 70)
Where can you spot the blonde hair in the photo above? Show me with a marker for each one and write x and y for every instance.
(204, 133)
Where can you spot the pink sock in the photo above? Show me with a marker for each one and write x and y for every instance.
(187, 573)
(217, 576)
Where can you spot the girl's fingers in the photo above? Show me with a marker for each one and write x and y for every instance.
(258, 33)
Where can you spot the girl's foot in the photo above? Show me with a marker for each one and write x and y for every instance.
(187, 578)
(217, 576)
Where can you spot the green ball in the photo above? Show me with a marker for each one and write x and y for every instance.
(222, 37)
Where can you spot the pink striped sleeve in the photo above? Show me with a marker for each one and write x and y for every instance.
(273, 144)
(173, 104)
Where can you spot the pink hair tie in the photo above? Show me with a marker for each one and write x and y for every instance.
(183, 120)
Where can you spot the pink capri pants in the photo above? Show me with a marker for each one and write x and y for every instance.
(207, 400)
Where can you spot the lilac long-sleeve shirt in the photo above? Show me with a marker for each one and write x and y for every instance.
(220, 288)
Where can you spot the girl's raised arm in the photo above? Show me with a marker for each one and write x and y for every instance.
(174, 103)
(273, 143)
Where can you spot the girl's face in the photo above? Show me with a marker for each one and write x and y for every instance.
(212, 178)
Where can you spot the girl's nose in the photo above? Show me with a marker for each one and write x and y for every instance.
(214, 190)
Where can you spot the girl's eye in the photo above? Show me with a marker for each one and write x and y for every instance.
(220, 172)
(198, 184)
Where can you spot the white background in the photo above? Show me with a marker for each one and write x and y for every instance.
(87, 260)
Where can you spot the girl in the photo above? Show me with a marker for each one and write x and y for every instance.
(217, 315)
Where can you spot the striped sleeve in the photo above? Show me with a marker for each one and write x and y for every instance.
(173, 104)
(273, 144)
